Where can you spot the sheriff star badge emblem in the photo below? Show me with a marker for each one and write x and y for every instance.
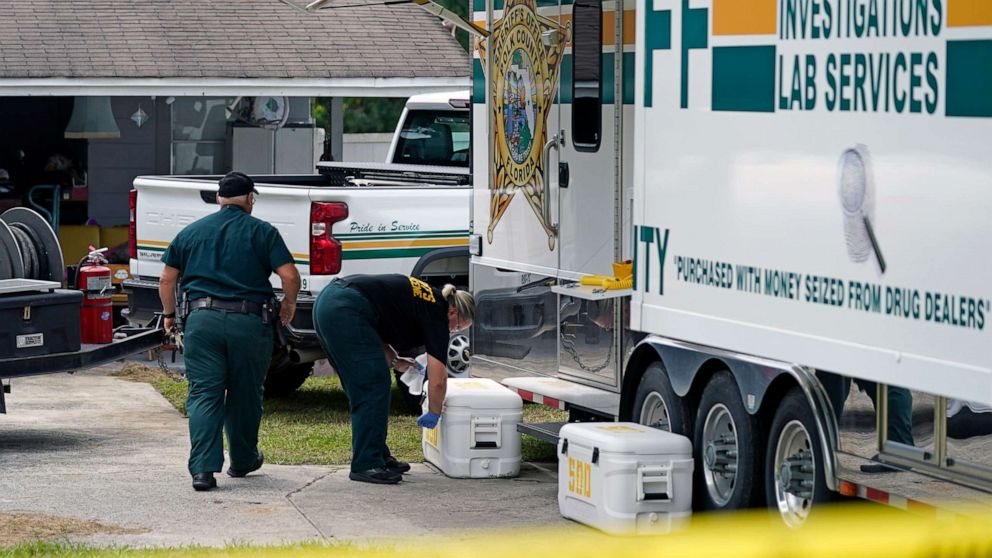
(522, 90)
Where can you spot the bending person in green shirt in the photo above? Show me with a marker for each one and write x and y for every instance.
(362, 321)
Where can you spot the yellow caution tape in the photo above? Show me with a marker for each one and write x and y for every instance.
(849, 531)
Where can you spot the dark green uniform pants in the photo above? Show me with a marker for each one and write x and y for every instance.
(900, 403)
(227, 356)
(345, 323)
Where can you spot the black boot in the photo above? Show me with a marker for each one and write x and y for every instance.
(396, 466)
(204, 481)
(379, 475)
(238, 473)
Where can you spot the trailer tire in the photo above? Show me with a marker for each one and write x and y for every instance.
(285, 377)
(794, 445)
(727, 448)
(656, 404)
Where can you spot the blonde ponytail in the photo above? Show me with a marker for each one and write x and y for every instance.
(462, 301)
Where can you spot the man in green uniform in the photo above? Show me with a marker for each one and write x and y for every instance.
(225, 261)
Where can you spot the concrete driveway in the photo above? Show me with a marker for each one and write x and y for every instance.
(93, 447)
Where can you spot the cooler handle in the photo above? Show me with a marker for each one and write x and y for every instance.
(486, 425)
(654, 482)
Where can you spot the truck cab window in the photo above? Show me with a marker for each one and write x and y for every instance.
(587, 70)
(434, 138)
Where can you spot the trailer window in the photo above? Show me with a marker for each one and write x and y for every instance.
(434, 138)
(587, 70)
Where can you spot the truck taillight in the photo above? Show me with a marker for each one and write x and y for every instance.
(325, 250)
(132, 230)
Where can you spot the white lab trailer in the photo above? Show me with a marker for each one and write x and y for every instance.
(804, 187)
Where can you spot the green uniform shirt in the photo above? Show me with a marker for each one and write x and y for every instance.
(228, 255)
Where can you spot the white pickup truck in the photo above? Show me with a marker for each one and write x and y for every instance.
(409, 215)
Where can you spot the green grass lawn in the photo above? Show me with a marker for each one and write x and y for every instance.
(312, 426)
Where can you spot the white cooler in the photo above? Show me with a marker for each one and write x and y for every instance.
(624, 478)
(477, 435)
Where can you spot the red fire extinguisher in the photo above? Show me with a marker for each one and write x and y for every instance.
(96, 317)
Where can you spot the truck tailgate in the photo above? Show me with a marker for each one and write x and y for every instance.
(166, 205)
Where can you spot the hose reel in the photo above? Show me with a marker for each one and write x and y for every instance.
(29, 248)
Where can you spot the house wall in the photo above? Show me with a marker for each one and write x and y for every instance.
(366, 147)
(114, 163)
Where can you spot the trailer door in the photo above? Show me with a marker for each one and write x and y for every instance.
(591, 183)
(515, 204)
(588, 174)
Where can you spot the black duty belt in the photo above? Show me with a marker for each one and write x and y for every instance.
(237, 306)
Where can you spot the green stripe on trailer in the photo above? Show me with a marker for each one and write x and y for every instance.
(478, 82)
(658, 36)
(608, 79)
(744, 79)
(969, 78)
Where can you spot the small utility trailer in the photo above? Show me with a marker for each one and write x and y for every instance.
(39, 333)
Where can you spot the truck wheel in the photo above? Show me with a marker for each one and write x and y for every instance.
(794, 473)
(285, 377)
(726, 444)
(656, 403)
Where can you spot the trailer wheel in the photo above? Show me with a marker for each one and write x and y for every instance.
(657, 405)
(727, 448)
(794, 473)
(285, 377)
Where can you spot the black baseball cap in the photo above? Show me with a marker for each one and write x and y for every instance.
(235, 184)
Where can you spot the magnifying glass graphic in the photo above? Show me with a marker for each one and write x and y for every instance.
(855, 188)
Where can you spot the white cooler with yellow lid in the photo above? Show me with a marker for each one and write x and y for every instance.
(477, 435)
(624, 478)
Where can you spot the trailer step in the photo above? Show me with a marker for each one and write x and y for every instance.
(563, 394)
(544, 431)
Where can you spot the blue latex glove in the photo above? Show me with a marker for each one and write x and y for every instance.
(428, 420)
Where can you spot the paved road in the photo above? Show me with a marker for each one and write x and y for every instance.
(92, 447)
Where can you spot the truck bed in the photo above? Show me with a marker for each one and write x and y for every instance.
(331, 174)
(348, 174)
